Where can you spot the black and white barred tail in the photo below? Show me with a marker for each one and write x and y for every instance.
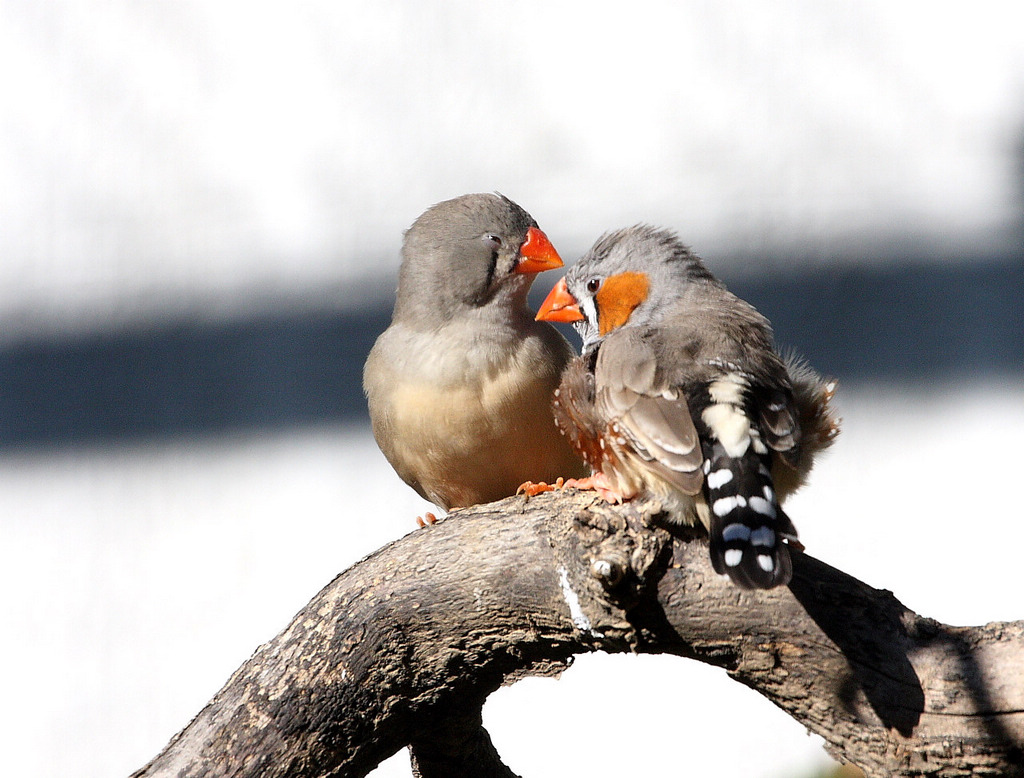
(747, 525)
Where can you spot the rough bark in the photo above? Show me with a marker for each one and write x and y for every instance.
(412, 640)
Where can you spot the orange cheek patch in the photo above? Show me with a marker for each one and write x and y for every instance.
(617, 297)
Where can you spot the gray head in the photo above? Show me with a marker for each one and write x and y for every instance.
(467, 253)
(630, 275)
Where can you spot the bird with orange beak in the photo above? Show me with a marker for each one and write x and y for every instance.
(459, 386)
(680, 395)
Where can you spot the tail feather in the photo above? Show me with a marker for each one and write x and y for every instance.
(747, 525)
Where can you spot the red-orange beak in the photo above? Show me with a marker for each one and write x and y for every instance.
(537, 254)
(559, 305)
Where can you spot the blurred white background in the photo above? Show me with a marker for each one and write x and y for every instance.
(200, 212)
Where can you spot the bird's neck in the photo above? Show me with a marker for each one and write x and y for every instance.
(505, 302)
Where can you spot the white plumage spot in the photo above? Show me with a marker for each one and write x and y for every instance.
(722, 506)
(736, 532)
(733, 557)
(728, 389)
(762, 506)
(707, 466)
(769, 494)
(719, 478)
(765, 562)
(726, 505)
(763, 536)
(728, 424)
(589, 309)
(557, 392)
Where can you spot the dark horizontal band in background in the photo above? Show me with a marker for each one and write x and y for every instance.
(273, 369)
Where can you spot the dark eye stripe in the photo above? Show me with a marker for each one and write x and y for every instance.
(492, 267)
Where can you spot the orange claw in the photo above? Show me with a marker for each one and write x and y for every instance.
(531, 489)
(426, 519)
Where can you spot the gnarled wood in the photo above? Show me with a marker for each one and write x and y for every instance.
(414, 638)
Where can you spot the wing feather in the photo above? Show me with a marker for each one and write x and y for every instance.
(643, 409)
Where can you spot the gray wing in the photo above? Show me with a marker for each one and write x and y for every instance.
(645, 411)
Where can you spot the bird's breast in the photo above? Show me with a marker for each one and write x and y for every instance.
(473, 437)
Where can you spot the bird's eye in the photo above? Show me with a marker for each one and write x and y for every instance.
(593, 285)
(493, 240)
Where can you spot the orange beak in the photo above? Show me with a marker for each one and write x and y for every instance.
(559, 305)
(537, 254)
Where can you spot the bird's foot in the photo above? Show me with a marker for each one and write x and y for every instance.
(598, 482)
(532, 489)
(426, 519)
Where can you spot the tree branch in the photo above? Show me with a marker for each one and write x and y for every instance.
(405, 646)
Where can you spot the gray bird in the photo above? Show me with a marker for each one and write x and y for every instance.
(460, 384)
(680, 395)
